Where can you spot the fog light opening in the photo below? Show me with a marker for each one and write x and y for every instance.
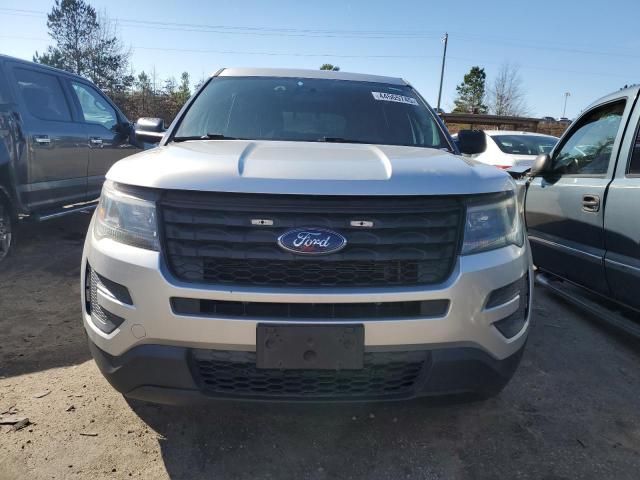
(512, 325)
(87, 289)
(104, 320)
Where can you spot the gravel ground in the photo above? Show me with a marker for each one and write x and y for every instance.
(571, 411)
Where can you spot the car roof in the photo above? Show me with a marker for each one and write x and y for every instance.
(627, 91)
(41, 65)
(492, 133)
(302, 73)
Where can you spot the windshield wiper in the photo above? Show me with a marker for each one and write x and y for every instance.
(339, 140)
(349, 140)
(208, 136)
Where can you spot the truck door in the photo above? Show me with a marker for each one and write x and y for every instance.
(622, 221)
(57, 153)
(108, 133)
(565, 208)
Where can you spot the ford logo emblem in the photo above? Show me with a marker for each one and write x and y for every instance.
(312, 241)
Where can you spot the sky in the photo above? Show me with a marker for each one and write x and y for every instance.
(588, 48)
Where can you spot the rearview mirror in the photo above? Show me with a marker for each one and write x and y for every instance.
(471, 142)
(541, 165)
(150, 130)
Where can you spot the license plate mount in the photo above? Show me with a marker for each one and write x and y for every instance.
(310, 347)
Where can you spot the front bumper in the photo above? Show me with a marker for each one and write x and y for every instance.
(169, 375)
(153, 341)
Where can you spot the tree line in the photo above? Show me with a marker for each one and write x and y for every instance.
(505, 95)
(86, 43)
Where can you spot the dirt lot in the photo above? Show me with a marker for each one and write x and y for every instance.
(572, 411)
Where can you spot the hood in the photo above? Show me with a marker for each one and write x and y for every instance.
(307, 168)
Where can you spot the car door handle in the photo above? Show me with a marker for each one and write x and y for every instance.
(97, 141)
(42, 139)
(591, 203)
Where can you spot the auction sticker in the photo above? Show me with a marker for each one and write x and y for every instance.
(394, 97)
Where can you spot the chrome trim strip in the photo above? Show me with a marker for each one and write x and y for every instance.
(564, 247)
(624, 266)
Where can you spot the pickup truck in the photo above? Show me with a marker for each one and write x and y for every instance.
(581, 215)
(305, 235)
(579, 205)
(59, 134)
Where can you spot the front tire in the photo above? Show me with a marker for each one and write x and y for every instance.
(6, 228)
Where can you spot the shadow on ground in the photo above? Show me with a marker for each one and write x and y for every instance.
(570, 412)
(40, 323)
(373, 441)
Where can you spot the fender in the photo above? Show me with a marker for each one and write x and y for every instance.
(7, 186)
(10, 139)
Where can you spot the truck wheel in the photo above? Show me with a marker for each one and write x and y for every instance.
(6, 227)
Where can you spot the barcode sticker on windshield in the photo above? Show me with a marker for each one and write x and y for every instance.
(394, 97)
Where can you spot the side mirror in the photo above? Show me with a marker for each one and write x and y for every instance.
(541, 165)
(125, 129)
(471, 142)
(150, 130)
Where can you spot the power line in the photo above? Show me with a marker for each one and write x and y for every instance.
(506, 42)
(285, 54)
(249, 52)
(275, 33)
(335, 33)
(474, 60)
(247, 30)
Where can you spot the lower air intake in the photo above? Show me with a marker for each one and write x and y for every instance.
(385, 375)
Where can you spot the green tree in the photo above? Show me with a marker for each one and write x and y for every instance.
(471, 92)
(143, 82)
(144, 93)
(170, 87)
(184, 89)
(86, 43)
(329, 66)
(169, 100)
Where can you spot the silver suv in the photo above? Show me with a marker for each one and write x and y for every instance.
(305, 235)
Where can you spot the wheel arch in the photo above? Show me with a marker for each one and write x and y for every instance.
(5, 190)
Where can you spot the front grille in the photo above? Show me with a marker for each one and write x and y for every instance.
(234, 374)
(316, 311)
(209, 238)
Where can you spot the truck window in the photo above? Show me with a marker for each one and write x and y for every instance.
(95, 108)
(587, 149)
(634, 164)
(42, 94)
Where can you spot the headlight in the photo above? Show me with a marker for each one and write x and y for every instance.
(492, 225)
(126, 218)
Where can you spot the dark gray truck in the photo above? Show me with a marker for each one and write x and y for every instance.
(59, 135)
(583, 211)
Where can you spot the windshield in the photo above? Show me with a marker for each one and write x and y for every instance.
(525, 144)
(311, 110)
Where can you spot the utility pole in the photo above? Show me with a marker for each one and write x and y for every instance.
(564, 109)
(445, 40)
